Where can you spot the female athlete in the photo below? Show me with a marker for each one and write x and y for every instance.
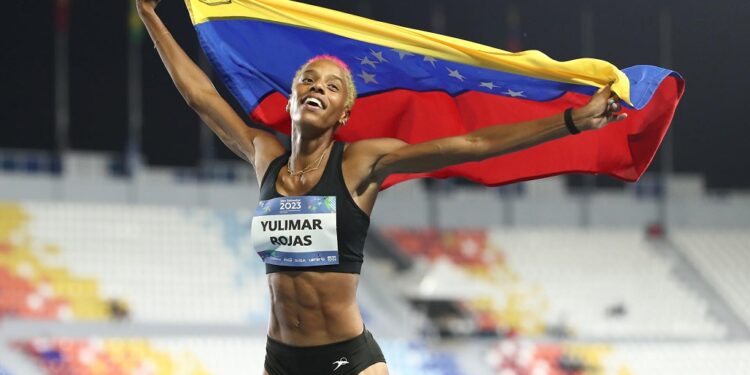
(315, 325)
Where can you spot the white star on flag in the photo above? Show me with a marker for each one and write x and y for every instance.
(366, 61)
(455, 74)
(514, 94)
(402, 54)
(430, 60)
(378, 55)
(367, 77)
(490, 85)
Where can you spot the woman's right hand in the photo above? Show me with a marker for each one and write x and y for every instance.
(146, 5)
(601, 110)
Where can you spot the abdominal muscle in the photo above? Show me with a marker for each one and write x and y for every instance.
(313, 308)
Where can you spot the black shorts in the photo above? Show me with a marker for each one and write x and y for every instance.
(348, 357)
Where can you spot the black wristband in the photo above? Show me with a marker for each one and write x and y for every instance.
(568, 114)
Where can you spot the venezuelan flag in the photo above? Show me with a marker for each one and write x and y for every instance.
(416, 86)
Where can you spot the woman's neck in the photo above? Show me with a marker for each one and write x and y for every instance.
(307, 150)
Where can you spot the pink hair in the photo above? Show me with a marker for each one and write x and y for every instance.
(332, 58)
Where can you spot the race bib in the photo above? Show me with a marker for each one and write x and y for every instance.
(296, 231)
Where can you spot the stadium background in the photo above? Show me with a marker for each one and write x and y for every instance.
(124, 223)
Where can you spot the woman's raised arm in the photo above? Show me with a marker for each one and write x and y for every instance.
(255, 146)
(379, 158)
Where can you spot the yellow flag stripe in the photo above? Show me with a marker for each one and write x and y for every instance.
(585, 71)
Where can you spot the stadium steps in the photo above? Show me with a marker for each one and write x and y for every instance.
(385, 311)
(583, 274)
(716, 265)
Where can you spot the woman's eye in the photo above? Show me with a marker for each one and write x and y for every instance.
(333, 87)
(306, 80)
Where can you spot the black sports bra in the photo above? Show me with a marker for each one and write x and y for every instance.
(321, 231)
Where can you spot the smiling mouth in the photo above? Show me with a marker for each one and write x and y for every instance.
(313, 103)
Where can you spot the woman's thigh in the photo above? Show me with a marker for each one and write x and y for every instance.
(377, 369)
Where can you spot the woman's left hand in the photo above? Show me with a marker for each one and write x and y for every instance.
(599, 111)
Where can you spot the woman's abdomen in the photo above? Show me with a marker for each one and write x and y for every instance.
(313, 308)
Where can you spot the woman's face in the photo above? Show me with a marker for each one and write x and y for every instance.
(319, 96)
